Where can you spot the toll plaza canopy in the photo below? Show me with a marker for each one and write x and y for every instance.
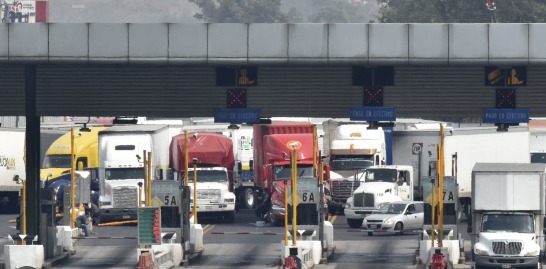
(434, 71)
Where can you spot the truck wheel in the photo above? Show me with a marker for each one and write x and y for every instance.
(249, 198)
(355, 223)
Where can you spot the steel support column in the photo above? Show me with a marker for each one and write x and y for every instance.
(32, 142)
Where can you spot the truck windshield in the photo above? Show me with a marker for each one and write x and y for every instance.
(209, 176)
(380, 175)
(124, 173)
(391, 209)
(57, 161)
(285, 172)
(350, 162)
(518, 223)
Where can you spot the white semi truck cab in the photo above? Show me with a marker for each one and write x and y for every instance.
(506, 225)
(213, 195)
(382, 184)
(353, 149)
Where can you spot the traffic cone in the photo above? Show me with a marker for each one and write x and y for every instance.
(145, 261)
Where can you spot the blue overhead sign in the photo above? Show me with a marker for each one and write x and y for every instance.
(237, 115)
(506, 116)
(373, 113)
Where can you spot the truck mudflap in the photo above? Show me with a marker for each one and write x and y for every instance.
(507, 262)
(116, 214)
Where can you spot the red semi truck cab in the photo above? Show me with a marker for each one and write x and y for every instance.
(273, 144)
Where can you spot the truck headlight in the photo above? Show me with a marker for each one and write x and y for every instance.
(532, 253)
(388, 221)
(479, 251)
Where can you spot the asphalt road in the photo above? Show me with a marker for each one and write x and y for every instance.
(260, 247)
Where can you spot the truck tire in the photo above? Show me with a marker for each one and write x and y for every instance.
(249, 198)
(355, 223)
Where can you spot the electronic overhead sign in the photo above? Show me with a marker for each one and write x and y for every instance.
(237, 115)
(506, 116)
(367, 113)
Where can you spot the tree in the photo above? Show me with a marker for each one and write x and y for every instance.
(240, 11)
(342, 11)
(471, 11)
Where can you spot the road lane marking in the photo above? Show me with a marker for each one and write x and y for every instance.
(208, 228)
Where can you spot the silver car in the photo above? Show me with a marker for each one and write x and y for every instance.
(395, 217)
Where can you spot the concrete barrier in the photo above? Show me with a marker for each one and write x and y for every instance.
(17, 256)
(196, 238)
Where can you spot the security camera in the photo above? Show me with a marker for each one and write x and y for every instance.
(16, 178)
(195, 135)
(138, 157)
(139, 184)
(194, 160)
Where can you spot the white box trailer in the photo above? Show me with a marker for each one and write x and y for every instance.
(12, 163)
(463, 147)
(506, 227)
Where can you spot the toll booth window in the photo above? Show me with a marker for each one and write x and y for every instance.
(170, 218)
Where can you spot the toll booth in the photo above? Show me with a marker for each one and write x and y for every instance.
(451, 238)
(171, 233)
(48, 229)
(310, 235)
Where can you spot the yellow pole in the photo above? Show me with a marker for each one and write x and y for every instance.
(294, 198)
(145, 167)
(24, 197)
(286, 214)
(315, 150)
(149, 178)
(194, 193)
(72, 180)
(441, 187)
(186, 155)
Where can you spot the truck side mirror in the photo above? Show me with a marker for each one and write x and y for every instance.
(239, 168)
(80, 166)
(251, 165)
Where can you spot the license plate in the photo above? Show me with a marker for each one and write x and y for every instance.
(506, 266)
(208, 208)
(126, 217)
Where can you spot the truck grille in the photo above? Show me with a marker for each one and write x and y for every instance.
(343, 188)
(125, 197)
(507, 248)
(211, 194)
(359, 199)
(369, 199)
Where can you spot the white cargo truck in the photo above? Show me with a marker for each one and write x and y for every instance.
(463, 147)
(351, 149)
(382, 184)
(121, 167)
(506, 227)
(12, 163)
